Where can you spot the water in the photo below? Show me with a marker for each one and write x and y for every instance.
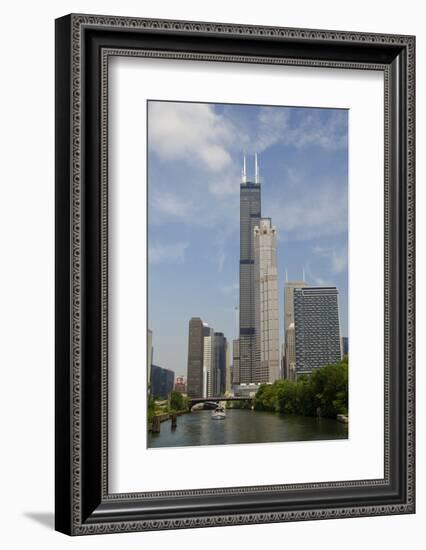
(245, 426)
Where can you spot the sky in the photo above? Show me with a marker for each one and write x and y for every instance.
(195, 157)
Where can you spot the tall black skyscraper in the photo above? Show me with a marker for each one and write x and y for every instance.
(250, 214)
(195, 357)
(219, 373)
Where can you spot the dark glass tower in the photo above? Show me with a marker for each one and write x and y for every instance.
(195, 357)
(250, 214)
(317, 328)
(219, 373)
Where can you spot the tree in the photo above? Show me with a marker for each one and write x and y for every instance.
(151, 408)
(178, 402)
(246, 404)
(324, 392)
(330, 387)
(265, 399)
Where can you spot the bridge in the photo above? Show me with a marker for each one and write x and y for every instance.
(196, 400)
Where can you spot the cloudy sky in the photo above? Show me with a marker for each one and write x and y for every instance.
(195, 154)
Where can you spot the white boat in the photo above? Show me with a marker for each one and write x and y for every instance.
(219, 413)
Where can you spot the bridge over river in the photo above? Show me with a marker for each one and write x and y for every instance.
(197, 400)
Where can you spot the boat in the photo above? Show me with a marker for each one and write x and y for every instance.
(219, 413)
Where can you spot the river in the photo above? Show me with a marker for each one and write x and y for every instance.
(244, 426)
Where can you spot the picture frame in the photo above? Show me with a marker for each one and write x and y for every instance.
(83, 503)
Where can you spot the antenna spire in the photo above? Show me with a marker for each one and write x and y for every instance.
(256, 169)
(244, 172)
(286, 276)
(303, 275)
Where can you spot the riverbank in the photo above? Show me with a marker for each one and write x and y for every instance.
(163, 417)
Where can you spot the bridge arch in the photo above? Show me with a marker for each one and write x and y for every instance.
(197, 400)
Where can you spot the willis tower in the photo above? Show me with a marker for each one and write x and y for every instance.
(250, 214)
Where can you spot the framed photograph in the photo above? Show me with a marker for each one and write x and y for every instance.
(234, 274)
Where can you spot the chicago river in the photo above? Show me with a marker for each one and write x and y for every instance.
(245, 426)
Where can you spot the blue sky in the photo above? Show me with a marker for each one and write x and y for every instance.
(195, 154)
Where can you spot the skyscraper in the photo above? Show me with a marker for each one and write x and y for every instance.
(250, 213)
(149, 356)
(289, 287)
(219, 373)
(289, 343)
(162, 381)
(180, 385)
(345, 345)
(235, 361)
(208, 361)
(283, 367)
(266, 303)
(228, 375)
(290, 353)
(317, 328)
(195, 357)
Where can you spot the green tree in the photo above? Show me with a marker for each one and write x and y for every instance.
(246, 404)
(178, 402)
(330, 387)
(265, 399)
(324, 392)
(151, 408)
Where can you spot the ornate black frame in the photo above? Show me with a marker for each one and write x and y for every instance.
(83, 45)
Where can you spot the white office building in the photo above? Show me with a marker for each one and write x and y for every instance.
(208, 361)
(266, 302)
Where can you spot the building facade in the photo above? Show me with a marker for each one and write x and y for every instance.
(195, 357)
(289, 287)
(317, 328)
(208, 361)
(228, 373)
(149, 356)
(162, 381)
(283, 367)
(290, 353)
(289, 359)
(235, 361)
(219, 371)
(345, 345)
(180, 385)
(250, 213)
(266, 303)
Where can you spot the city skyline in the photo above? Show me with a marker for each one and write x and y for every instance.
(194, 210)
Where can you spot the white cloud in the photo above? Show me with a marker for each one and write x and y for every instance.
(190, 131)
(161, 253)
(196, 209)
(330, 134)
(337, 257)
(171, 205)
(339, 260)
(195, 133)
(272, 127)
(326, 129)
(225, 185)
(318, 281)
(206, 147)
(312, 211)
